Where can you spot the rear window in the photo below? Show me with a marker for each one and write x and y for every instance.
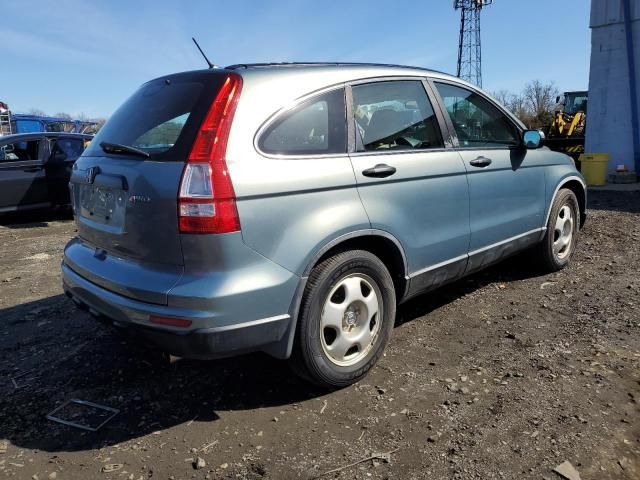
(163, 116)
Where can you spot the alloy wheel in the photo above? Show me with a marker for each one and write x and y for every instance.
(563, 232)
(351, 319)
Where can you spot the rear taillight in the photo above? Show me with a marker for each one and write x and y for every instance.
(206, 200)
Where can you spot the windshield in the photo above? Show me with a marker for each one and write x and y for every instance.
(575, 103)
(162, 115)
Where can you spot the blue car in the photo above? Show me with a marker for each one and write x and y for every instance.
(289, 208)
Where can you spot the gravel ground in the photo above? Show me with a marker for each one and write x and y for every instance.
(505, 374)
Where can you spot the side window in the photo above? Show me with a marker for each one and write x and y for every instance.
(395, 115)
(477, 122)
(67, 148)
(316, 126)
(19, 151)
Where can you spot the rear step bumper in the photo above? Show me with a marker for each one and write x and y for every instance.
(267, 334)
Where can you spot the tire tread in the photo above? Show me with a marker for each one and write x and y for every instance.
(300, 361)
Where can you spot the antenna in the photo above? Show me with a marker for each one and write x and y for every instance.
(211, 65)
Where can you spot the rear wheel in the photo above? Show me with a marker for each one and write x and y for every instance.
(558, 245)
(346, 317)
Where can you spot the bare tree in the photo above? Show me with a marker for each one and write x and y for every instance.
(503, 96)
(37, 112)
(516, 103)
(540, 98)
(518, 106)
(64, 115)
(534, 106)
(100, 123)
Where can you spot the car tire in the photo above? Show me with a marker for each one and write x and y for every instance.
(561, 236)
(346, 317)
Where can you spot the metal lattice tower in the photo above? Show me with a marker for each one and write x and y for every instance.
(470, 46)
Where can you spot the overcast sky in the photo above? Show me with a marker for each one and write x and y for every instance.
(88, 56)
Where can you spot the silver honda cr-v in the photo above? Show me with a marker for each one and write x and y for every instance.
(289, 208)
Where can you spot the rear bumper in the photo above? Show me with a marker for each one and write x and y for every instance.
(269, 334)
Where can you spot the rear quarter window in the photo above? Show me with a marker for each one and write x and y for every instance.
(316, 126)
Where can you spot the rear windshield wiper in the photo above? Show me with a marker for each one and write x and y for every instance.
(118, 149)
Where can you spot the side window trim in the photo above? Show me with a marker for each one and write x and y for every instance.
(352, 144)
(43, 150)
(435, 105)
(454, 136)
(451, 131)
(274, 118)
(445, 128)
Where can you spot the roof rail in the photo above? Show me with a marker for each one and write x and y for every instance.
(321, 64)
(279, 64)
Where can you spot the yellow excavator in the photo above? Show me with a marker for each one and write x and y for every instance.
(568, 126)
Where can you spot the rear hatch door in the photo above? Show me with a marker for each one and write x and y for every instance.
(125, 185)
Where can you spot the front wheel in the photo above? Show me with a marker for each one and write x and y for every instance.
(346, 317)
(559, 243)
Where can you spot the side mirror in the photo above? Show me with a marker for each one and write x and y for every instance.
(532, 139)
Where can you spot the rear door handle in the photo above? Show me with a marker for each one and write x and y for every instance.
(32, 169)
(382, 170)
(480, 162)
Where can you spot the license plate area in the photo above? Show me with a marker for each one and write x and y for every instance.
(102, 205)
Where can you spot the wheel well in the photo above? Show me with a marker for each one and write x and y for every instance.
(383, 248)
(576, 187)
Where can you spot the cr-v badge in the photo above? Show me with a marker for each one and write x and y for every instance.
(139, 199)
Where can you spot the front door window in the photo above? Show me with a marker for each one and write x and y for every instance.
(395, 115)
(478, 123)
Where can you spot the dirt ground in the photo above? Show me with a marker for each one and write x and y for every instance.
(503, 375)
